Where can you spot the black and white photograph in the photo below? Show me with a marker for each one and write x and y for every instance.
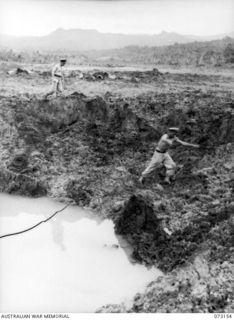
(116, 158)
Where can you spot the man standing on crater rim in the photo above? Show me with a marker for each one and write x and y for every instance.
(161, 156)
(57, 79)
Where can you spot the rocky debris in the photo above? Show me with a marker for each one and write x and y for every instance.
(185, 293)
(199, 287)
(167, 250)
(138, 216)
(79, 192)
(19, 71)
(21, 184)
(112, 308)
(100, 75)
(19, 163)
(112, 77)
(45, 74)
(136, 76)
(96, 76)
(139, 225)
(117, 206)
(153, 75)
(75, 73)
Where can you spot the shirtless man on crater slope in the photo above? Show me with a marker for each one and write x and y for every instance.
(161, 156)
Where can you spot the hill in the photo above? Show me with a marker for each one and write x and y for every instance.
(83, 40)
(208, 53)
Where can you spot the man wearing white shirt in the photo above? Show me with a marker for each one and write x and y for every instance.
(57, 79)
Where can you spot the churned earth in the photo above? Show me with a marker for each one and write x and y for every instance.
(90, 146)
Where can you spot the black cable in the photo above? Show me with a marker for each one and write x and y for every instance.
(36, 225)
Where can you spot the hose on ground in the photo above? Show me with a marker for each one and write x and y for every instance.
(36, 225)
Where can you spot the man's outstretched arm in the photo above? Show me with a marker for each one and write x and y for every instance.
(186, 144)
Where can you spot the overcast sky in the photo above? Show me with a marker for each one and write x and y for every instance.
(40, 17)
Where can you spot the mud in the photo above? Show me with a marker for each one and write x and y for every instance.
(92, 149)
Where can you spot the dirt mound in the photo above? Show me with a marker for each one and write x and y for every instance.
(138, 216)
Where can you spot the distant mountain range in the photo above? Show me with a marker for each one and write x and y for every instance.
(84, 40)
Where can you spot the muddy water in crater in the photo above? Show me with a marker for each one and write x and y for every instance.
(68, 264)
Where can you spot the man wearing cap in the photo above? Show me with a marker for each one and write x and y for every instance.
(161, 156)
(57, 79)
